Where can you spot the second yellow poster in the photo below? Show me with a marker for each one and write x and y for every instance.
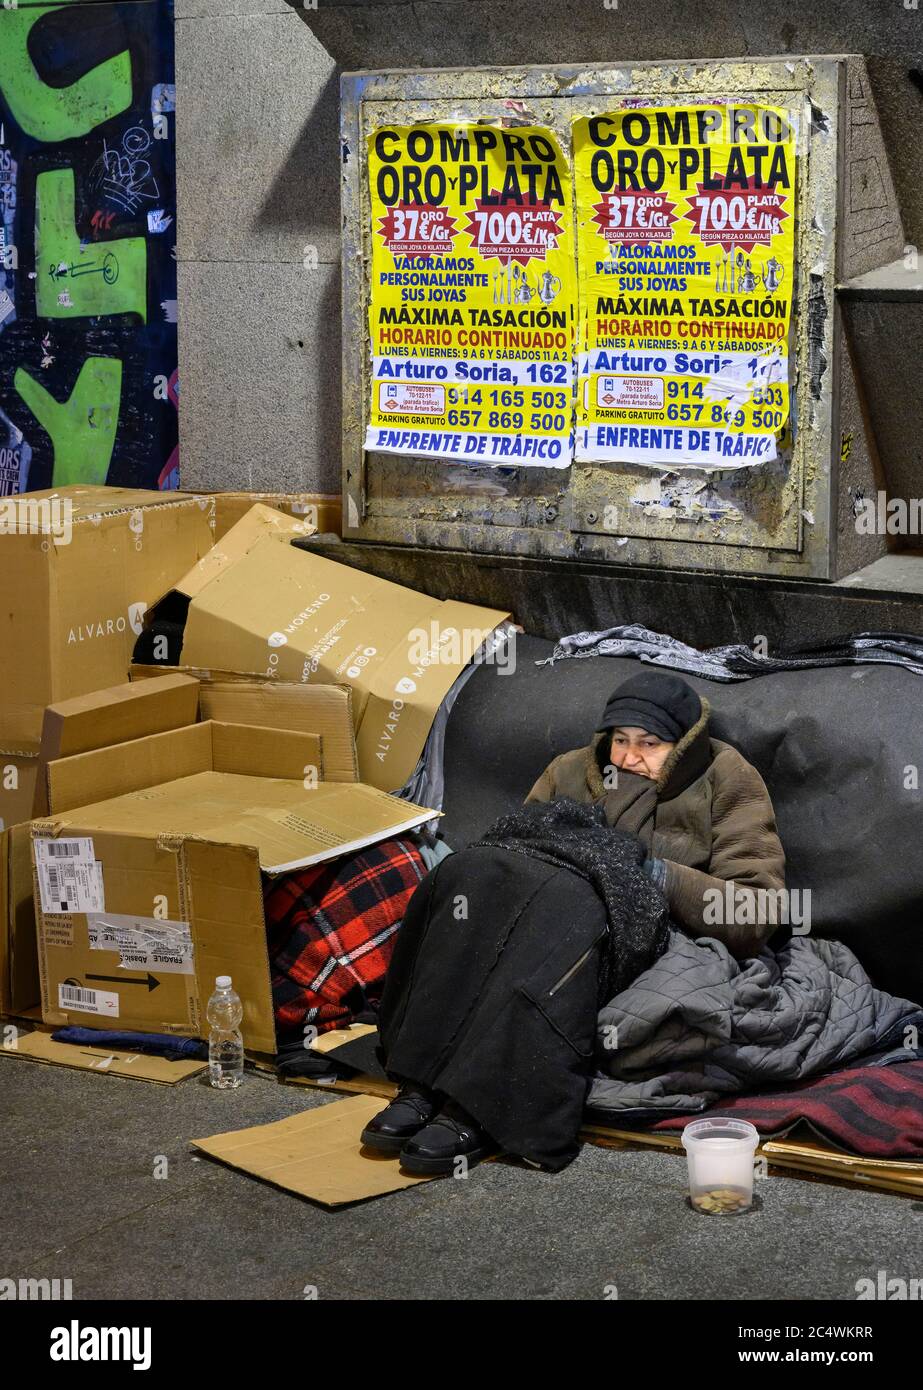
(686, 233)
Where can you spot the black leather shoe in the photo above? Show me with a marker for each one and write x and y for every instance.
(410, 1110)
(453, 1134)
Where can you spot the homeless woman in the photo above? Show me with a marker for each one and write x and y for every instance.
(510, 947)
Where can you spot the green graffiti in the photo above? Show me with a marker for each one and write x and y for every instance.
(73, 281)
(57, 113)
(83, 427)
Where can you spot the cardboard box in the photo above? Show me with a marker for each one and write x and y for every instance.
(18, 961)
(258, 604)
(237, 697)
(127, 712)
(78, 568)
(19, 976)
(117, 714)
(323, 510)
(148, 893)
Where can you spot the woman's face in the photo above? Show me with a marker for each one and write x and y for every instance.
(635, 750)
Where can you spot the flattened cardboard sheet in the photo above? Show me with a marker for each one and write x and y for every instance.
(289, 827)
(316, 1154)
(140, 1066)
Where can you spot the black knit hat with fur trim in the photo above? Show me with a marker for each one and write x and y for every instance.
(657, 701)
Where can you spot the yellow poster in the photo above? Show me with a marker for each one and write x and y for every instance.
(472, 299)
(686, 233)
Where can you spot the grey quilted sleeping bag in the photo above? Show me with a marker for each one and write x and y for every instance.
(698, 1024)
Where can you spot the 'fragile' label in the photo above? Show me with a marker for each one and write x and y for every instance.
(148, 943)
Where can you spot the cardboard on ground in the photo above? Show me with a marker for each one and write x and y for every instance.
(140, 1066)
(316, 1154)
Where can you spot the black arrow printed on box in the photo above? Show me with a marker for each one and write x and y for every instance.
(148, 980)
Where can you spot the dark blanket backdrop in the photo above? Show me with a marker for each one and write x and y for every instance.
(840, 749)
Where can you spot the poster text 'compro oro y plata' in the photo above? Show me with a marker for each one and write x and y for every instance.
(472, 302)
(686, 229)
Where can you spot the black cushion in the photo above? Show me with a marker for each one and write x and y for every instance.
(841, 750)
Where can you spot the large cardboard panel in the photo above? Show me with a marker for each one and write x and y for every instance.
(77, 591)
(224, 903)
(241, 697)
(122, 966)
(321, 709)
(103, 773)
(116, 715)
(145, 763)
(289, 825)
(258, 524)
(259, 604)
(316, 1154)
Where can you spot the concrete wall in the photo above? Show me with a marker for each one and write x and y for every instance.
(257, 184)
(258, 156)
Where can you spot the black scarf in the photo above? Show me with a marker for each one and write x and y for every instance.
(577, 837)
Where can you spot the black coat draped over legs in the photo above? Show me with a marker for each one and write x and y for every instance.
(491, 996)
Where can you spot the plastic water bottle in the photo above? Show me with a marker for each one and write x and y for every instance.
(225, 1043)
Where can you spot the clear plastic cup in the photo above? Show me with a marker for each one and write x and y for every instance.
(720, 1158)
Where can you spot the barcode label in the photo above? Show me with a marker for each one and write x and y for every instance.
(70, 885)
(48, 851)
(88, 1001)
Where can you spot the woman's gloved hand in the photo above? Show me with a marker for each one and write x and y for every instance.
(656, 869)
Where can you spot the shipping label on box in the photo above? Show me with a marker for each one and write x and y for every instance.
(70, 877)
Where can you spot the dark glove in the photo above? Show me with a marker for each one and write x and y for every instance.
(656, 869)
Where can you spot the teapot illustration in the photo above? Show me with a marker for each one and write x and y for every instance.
(524, 293)
(747, 280)
(549, 287)
(772, 275)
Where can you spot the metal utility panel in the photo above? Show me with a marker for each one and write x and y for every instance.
(790, 517)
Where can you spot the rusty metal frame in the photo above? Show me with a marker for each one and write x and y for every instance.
(531, 511)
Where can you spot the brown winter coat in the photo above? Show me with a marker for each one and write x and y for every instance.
(708, 816)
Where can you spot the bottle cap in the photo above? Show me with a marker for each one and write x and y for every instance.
(223, 982)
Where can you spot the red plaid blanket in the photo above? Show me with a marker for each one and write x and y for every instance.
(873, 1111)
(331, 932)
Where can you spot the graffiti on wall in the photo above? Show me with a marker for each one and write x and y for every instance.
(88, 382)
